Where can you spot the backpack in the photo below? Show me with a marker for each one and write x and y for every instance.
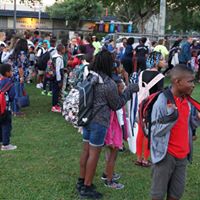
(77, 107)
(144, 88)
(43, 60)
(145, 110)
(50, 72)
(76, 75)
(3, 100)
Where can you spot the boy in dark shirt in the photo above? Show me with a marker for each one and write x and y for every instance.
(141, 52)
(7, 87)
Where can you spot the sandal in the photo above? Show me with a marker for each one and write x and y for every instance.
(146, 164)
(138, 163)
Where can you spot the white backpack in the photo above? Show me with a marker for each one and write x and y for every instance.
(145, 87)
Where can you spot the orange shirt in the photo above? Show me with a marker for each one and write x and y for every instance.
(179, 138)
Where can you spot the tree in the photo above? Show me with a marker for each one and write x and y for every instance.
(74, 11)
(137, 11)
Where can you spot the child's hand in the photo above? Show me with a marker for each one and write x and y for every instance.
(198, 114)
(194, 137)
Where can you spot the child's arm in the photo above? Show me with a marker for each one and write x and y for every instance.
(11, 93)
(59, 66)
(120, 118)
(160, 109)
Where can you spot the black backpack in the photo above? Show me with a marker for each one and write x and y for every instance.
(78, 105)
(43, 60)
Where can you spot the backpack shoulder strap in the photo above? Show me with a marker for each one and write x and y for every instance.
(174, 115)
(155, 80)
(140, 79)
(6, 87)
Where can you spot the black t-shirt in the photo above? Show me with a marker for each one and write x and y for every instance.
(148, 75)
(141, 50)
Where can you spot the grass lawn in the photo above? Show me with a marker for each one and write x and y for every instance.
(46, 164)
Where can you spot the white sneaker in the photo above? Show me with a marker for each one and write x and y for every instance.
(8, 147)
(38, 86)
(41, 85)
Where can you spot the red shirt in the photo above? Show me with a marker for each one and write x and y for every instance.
(179, 138)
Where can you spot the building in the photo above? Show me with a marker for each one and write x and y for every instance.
(30, 20)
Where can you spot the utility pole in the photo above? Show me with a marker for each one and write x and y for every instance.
(39, 19)
(15, 15)
(162, 17)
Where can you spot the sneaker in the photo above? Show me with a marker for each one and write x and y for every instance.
(56, 109)
(41, 85)
(114, 178)
(44, 92)
(114, 185)
(80, 184)
(49, 94)
(89, 193)
(38, 86)
(8, 147)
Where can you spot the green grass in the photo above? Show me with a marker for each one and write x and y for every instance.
(46, 164)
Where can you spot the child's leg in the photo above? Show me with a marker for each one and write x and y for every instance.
(146, 149)
(0, 134)
(139, 143)
(45, 83)
(94, 153)
(50, 85)
(6, 130)
(168, 177)
(83, 159)
(110, 163)
(55, 93)
(177, 181)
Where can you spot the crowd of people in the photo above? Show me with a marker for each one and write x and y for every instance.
(56, 67)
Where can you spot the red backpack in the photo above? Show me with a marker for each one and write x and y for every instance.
(146, 106)
(3, 90)
(145, 110)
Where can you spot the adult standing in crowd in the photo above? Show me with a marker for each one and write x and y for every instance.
(185, 53)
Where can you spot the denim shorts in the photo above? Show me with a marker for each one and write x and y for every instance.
(94, 133)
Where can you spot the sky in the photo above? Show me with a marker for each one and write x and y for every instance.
(48, 2)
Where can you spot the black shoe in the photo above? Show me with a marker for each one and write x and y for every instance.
(80, 184)
(89, 193)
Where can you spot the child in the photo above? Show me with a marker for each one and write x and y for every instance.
(194, 61)
(7, 86)
(31, 67)
(171, 143)
(114, 141)
(154, 62)
(57, 82)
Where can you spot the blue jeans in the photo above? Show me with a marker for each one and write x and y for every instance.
(5, 129)
(95, 134)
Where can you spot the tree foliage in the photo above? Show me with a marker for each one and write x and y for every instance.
(74, 10)
(138, 11)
